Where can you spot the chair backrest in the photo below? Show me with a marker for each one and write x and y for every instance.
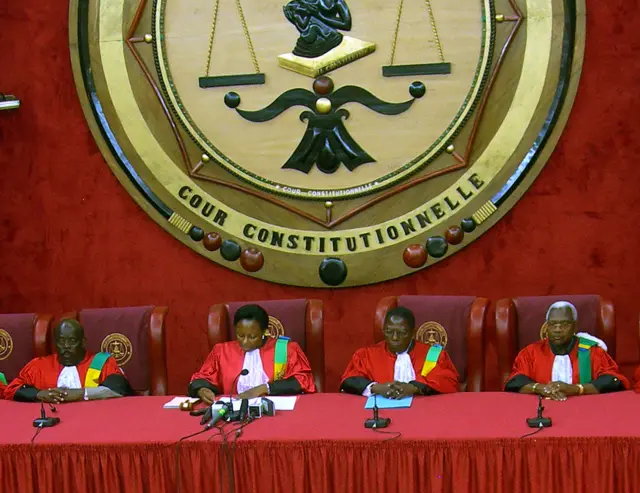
(456, 321)
(300, 319)
(23, 336)
(135, 338)
(519, 321)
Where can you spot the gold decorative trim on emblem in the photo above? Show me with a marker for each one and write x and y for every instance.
(119, 346)
(482, 214)
(180, 222)
(275, 329)
(432, 333)
(544, 331)
(6, 344)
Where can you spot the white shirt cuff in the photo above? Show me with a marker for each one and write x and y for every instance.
(367, 391)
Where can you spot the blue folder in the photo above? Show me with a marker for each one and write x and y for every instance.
(384, 403)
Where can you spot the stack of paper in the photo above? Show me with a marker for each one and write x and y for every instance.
(176, 401)
(384, 403)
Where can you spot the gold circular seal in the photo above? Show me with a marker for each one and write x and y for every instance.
(119, 346)
(6, 344)
(255, 155)
(432, 333)
(275, 329)
(544, 331)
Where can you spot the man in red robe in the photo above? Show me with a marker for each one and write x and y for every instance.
(273, 366)
(400, 366)
(71, 374)
(565, 363)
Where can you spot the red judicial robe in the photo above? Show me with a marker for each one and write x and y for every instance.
(42, 373)
(377, 364)
(226, 360)
(535, 362)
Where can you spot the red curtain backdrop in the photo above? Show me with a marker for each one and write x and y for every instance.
(71, 236)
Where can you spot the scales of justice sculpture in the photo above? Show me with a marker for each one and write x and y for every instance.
(321, 48)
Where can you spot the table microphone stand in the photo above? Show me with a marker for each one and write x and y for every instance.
(376, 422)
(539, 421)
(43, 421)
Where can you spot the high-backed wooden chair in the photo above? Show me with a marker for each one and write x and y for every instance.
(301, 320)
(23, 336)
(520, 320)
(455, 322)
(135, 336)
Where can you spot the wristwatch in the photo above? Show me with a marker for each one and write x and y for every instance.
(268, 389)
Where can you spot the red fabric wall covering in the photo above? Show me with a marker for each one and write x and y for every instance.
(71, 237)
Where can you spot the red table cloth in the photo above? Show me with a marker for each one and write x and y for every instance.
(467, 442)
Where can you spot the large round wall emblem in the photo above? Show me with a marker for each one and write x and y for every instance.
(313, 142)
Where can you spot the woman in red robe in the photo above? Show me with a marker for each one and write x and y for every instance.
(223, 372)
(551, 367)
(399, 366)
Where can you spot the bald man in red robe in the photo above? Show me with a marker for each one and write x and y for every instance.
(400, 366)
(71, 374)
(553, 368)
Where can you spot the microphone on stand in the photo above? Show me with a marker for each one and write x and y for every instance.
(243, 373)
(43, 421)
(227, 411)
(244, 409)
(539, 421)
(376, 422)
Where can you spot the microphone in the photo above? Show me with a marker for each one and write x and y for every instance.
(43, 421)
(539, 421)
(244, 409)
(376, 422)
(244, 372)
(218, 416)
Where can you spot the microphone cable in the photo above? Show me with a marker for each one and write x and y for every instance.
(177, 454)
(538, 430)
(396, 434)
(38, 430)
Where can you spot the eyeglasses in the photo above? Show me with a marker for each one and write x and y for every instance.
(560, 325)
(400, 334)
(68, 343)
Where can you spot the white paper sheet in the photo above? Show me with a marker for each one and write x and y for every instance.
(281, 403)
(176, 401)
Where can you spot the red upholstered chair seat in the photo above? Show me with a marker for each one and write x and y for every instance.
(301, 320)
(23, 336)
(519, 320)
(463, 321)
(135, 338)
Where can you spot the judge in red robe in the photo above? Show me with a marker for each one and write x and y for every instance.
(255, 352)
(551, 367)
(61, 377)
(396, 367)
